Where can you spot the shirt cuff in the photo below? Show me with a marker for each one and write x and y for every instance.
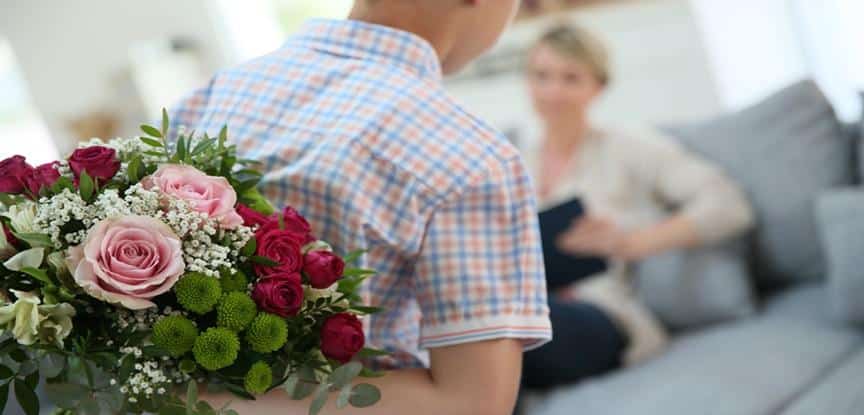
(534, 331)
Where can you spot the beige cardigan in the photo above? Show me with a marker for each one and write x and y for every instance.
(638, 178)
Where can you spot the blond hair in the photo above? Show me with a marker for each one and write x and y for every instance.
(578, 43)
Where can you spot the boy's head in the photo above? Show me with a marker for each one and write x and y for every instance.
(460, 30)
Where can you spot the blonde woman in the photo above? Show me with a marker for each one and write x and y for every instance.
(643, 195)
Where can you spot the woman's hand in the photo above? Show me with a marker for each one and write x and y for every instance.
(599, 236)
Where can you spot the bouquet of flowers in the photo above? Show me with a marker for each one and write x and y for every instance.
(138, 268)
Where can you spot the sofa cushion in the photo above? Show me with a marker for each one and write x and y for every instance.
(754, 366)
(696, 287)
(783, 151)
(841, 222)
(840, 393)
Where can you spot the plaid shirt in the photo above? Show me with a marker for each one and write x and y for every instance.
(355, 130)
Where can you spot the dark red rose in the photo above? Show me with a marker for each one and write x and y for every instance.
(279, 294)
(323, 268)
(13, 174)
(99, 162)
(42, 176)
(281, 246)
(9, 237)
(253, 217)
(295, 222)
(342, 337)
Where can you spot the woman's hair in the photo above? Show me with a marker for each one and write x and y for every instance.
(578, 43)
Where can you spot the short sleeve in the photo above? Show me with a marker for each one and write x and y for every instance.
(480, 275)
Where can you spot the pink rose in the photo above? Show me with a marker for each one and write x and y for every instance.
(211, 195)
(128, 260)
(281, 246)
(323, 268)
(43, 176)
(100, 162)
(13, 174)
(280, 294)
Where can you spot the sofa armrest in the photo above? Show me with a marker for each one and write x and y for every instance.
(840, 214)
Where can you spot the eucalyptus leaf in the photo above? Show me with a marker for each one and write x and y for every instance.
(151, 131)
(290, 385)
(126, 366)
(204, 408)
(365, 395)
(343, 375)
(32, 380)
(18, 355)
(321, 395)
(65, 395)
(26, 397)
(172, 409)
(191, 397)
(52, 365)
(344, 397)
(5, 372)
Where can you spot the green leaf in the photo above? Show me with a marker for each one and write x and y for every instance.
(229, 412)
(35, 239)
(291, 383)
(366, 310)
(32, 380)
(27, 399)
(181, 149)
(368, 352)
(4, 397)
(165, 121)
(191, 397)
(369, 373)
(152, 143)
(172, 409)
(365, 395)
(223, 137)
(344, 397)
(204, 408)
(136, 169)
(250, 247)
(88, 406)
(321, 395)
(52, 365)
(38, 274)
(151, 131)
(248, 184)
(353, 272)
(126, 366)
(65, 395)
(267, 262)
(18, 355)
(188, 365)
(343, 375)
(353, 256)
(5, 372)
(86, 186)
(203, 146)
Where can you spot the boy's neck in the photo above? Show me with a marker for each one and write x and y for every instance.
(408, 17)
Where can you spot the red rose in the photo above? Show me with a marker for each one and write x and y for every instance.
(342, 337)
(295, 222)
(280, 294)
(99, 162)
(252, 217)
(281, 246)
(9, 237)
(13, 174)
(323, 268)
(43, 176)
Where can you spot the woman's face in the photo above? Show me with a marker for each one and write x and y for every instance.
(562, 87)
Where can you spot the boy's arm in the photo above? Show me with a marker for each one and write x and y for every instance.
(471, 379)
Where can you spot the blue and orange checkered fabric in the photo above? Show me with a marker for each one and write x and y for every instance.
(355, 130)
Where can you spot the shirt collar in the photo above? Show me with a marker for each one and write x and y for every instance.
(366, 41)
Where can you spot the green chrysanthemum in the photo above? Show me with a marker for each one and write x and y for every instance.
(267, 333)
(235, 281)
(216, 348)
(258, 379)
(198, 293)
(236, 311)
(175, 334)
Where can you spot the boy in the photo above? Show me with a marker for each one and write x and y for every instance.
(354, 130)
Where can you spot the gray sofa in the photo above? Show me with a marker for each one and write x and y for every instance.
(801, 352)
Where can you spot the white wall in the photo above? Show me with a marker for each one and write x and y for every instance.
(74, 53)
(661, 70)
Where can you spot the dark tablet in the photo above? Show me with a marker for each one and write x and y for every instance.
(562, 269)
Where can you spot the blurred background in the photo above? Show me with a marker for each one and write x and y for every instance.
(72, 70)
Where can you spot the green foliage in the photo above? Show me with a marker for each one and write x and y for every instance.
(216, 348)
(267, 333)
(236, 311)
(198, 293)
(175, 334)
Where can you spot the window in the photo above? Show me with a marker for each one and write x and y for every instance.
(21, 129)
